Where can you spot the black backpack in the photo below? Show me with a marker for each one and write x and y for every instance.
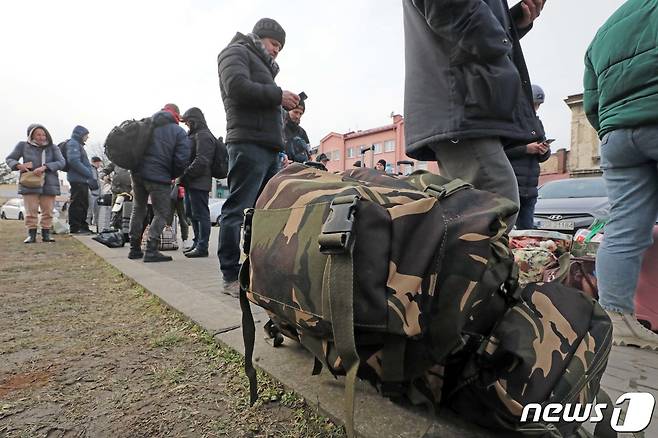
(126, 144)
(62, 149)
(219, 166)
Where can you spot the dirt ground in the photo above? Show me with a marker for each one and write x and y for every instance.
(86, 353)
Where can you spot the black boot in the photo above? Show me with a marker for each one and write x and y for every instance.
(135, 249)
(31, 236)
(195, 253)
(152, 254)
(45, 236)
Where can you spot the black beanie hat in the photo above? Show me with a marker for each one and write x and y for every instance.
(268, 28)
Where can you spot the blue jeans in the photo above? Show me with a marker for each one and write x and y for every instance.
(526, 218)
(200, 216)
(629, 159)
(250, 167)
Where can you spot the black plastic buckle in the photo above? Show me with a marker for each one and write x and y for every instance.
(246, 230)
(338, 229)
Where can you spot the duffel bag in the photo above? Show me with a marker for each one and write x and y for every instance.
(377, 276)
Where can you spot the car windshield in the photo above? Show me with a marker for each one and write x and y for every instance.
(574, 188)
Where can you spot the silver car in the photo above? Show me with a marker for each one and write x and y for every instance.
(215, 206)
(570, 204)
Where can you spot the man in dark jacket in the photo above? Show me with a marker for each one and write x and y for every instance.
(621, 101)
(197, 180)
(165, 159)
(294, 136)
(119, 179)
(254, 124)
(467, 90)
(81, 178)
(525, 161)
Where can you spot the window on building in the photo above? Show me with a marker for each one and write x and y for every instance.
(359, 149)
(389, 146)
(350, 152)
(377, 148)
(421, 165)
(336, 156)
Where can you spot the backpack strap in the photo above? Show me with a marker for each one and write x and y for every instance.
(447, 189)
(337, 241)
(603, 428)
(248, 333)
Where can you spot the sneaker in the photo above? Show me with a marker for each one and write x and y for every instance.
(231, 288)
(627, 330)
(187, 244)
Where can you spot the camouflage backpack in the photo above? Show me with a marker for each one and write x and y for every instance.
(399, 281)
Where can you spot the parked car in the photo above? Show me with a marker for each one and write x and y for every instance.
(215, 205)
(570, 204)
(15, 209)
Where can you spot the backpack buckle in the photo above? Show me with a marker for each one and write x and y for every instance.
(246, 230)
(338, 229)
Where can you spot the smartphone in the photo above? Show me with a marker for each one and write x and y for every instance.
(549, 141)
(302, 96)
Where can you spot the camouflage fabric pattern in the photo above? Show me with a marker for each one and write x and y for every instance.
(533, 263)
(425, 268)
(550, 348)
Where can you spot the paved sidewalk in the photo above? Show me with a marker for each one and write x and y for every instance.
(193, 287)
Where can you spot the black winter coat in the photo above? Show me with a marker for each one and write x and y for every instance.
(168, 155)
(198, 175)
(465, 75)
(252, 100)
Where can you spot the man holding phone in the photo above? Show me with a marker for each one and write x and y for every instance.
(467, 88)
(525, 161)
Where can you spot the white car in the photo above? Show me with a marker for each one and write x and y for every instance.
(215, 206)
(15, 209)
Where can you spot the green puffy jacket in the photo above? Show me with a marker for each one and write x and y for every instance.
(621, 69)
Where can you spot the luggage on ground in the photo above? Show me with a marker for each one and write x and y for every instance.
(110, 238)
(168, 239)
(104, 218)
(406, 283)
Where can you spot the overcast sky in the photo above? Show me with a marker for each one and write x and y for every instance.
(97, 63)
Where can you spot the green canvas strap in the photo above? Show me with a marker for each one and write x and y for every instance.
(340, 291)
(603, 428)
(248, 333)
(393, 366)
(337, 242)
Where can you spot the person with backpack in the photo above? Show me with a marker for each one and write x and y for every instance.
(467, 88)
(197, 180)
(165, 159)
(81, 178)
(620, 101)
(38, 181)
(252, 100)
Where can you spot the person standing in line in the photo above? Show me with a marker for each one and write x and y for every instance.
(81, 178)
(621, 103)
(467, 89)
(247, 68)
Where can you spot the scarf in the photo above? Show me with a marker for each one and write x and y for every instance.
(274, 67)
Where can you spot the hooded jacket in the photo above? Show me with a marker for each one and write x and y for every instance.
(26, 152)
(198, 175)
(621, 85)
(526, 168)
(252, 99)
(169, 152)
(77, 159)
(465, 75)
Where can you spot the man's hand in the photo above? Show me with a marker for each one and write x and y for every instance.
(531, 10)
(537, 148)
(39, 170)
(289, 100)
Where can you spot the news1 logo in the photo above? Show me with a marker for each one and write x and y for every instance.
(638, 414)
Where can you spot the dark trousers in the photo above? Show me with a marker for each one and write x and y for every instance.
(250, 167)
(160, 201)
(526, 218)
(200, 216)
(79, 207)
(178, 207)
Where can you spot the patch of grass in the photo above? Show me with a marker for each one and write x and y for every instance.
(168, 340)
(168, 375)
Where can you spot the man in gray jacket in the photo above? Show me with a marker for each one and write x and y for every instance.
(467, 90)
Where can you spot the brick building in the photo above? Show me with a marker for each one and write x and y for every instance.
(384, 142)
